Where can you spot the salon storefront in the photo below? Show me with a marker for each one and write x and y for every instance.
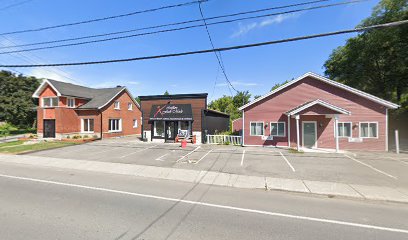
(166, 116)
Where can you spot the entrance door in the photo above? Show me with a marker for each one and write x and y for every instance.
(170, 131)
(49, 128)
(309, 134)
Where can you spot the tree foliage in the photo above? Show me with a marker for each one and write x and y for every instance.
(376, 61)
(16, 104)
(230, 105)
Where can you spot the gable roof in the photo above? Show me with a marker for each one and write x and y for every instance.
(328, 81)
(309, 104)
(98, 98)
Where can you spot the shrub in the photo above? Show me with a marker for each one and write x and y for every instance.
(294, 150)
(6, 128)
(85, 136)
(76, 137)
(68, 137)
(226, 143)
(95, 136)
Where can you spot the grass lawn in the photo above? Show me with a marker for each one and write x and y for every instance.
(18, 146)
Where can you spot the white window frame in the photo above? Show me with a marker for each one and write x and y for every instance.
(119, 125)
(118, 105)
(155, 129)
(42, 102)
(256, 122)
(130, 106)
(73, 100)
(351, 130)
(83, 125)
(277, 124)
(359, 129)
(135, 123)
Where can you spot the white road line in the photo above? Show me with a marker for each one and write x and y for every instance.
(203, 156)
(239, 209)
(141, 150)
(188, 154)
(160, 158)
(290, 165)
(242, 159)
(375, 169)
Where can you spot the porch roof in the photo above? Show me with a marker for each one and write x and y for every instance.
(309, 104)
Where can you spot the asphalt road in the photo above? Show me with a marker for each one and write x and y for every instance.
(45, 203)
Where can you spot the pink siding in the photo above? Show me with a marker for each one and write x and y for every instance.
(272, 109)
(237, 125)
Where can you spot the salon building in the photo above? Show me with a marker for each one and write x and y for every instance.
(166, 116)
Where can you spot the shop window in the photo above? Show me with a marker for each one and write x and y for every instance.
(278, 129)
(158, 130)
(257, 129)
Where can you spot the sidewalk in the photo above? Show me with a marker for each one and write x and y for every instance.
(219, 179)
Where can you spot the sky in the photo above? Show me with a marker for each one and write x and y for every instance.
(254, 69)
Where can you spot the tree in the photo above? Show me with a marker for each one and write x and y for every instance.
(230, 105)
(166, 93)
(16, 104)
(376, 61)
(279, 84)
(257, 96)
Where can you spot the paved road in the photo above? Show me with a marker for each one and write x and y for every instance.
(45, 203)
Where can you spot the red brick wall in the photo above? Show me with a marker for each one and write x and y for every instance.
(309, 89)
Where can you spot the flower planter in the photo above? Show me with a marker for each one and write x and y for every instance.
(79, 140)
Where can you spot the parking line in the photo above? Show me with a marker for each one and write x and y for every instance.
(203, 156)
(242, 159)
(375, 169)
(160, 158)
(141, 150)
(290, 165)
(188, 154)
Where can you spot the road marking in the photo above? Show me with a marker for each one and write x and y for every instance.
(375, 169)
(188, 154)
(242, 159)
(205, 204)
(160, 158)
(141, 150)
(203, 156)
(290, 165)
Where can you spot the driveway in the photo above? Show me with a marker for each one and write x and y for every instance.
(377, 169)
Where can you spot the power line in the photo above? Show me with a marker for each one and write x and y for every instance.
(183, 28)
(15, 5)
(102, 19)
(360, 29)
(166, 25)
(219, 58)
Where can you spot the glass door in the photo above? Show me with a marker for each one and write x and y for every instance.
(171, 130)
(309, 134)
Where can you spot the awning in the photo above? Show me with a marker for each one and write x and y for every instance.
(171, 112)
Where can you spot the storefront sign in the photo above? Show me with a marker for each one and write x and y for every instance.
(172, 112)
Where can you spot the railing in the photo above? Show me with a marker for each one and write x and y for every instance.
(224, 139)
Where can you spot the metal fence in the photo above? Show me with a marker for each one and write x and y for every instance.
(224, 139)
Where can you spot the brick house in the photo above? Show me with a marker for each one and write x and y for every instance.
(304, 113)
(67, 109)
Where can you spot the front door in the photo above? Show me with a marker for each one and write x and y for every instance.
(170, 131)
(309, 134)
(49, 128)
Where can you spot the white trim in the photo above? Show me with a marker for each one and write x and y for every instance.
(41, 88)
(303, 133)
(277, 123)
(263, 130)
(288, 131)
(119, 127)
(359, 129)
(321, 103)
(130, 106)
(243, 128)
(328, 81)
(83, 124)
(69, 98)
(42, 102)
(114, 105)
(351, 130)
(135, 125)
(386, 130)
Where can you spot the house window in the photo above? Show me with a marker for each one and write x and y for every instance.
(158, 129)
(71, 102)
(257, 129)
(50, 102)
(130, 106)
(134, 123)
(278, 129)
(368, 129)
(88, 125)
(344, 129)
(116, 105)
(115, 125)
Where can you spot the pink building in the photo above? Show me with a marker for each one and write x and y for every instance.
(303, 113)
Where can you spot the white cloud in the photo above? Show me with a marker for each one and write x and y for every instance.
(246, 28)
(237, 83)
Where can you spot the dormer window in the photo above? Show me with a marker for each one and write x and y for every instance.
(50, 102)
(71, 102)
(130, 106)
(116, 105)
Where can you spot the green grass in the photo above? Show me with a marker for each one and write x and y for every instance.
(294, 150)
(18, 147)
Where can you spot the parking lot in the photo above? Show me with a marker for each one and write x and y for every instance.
(378, 169)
